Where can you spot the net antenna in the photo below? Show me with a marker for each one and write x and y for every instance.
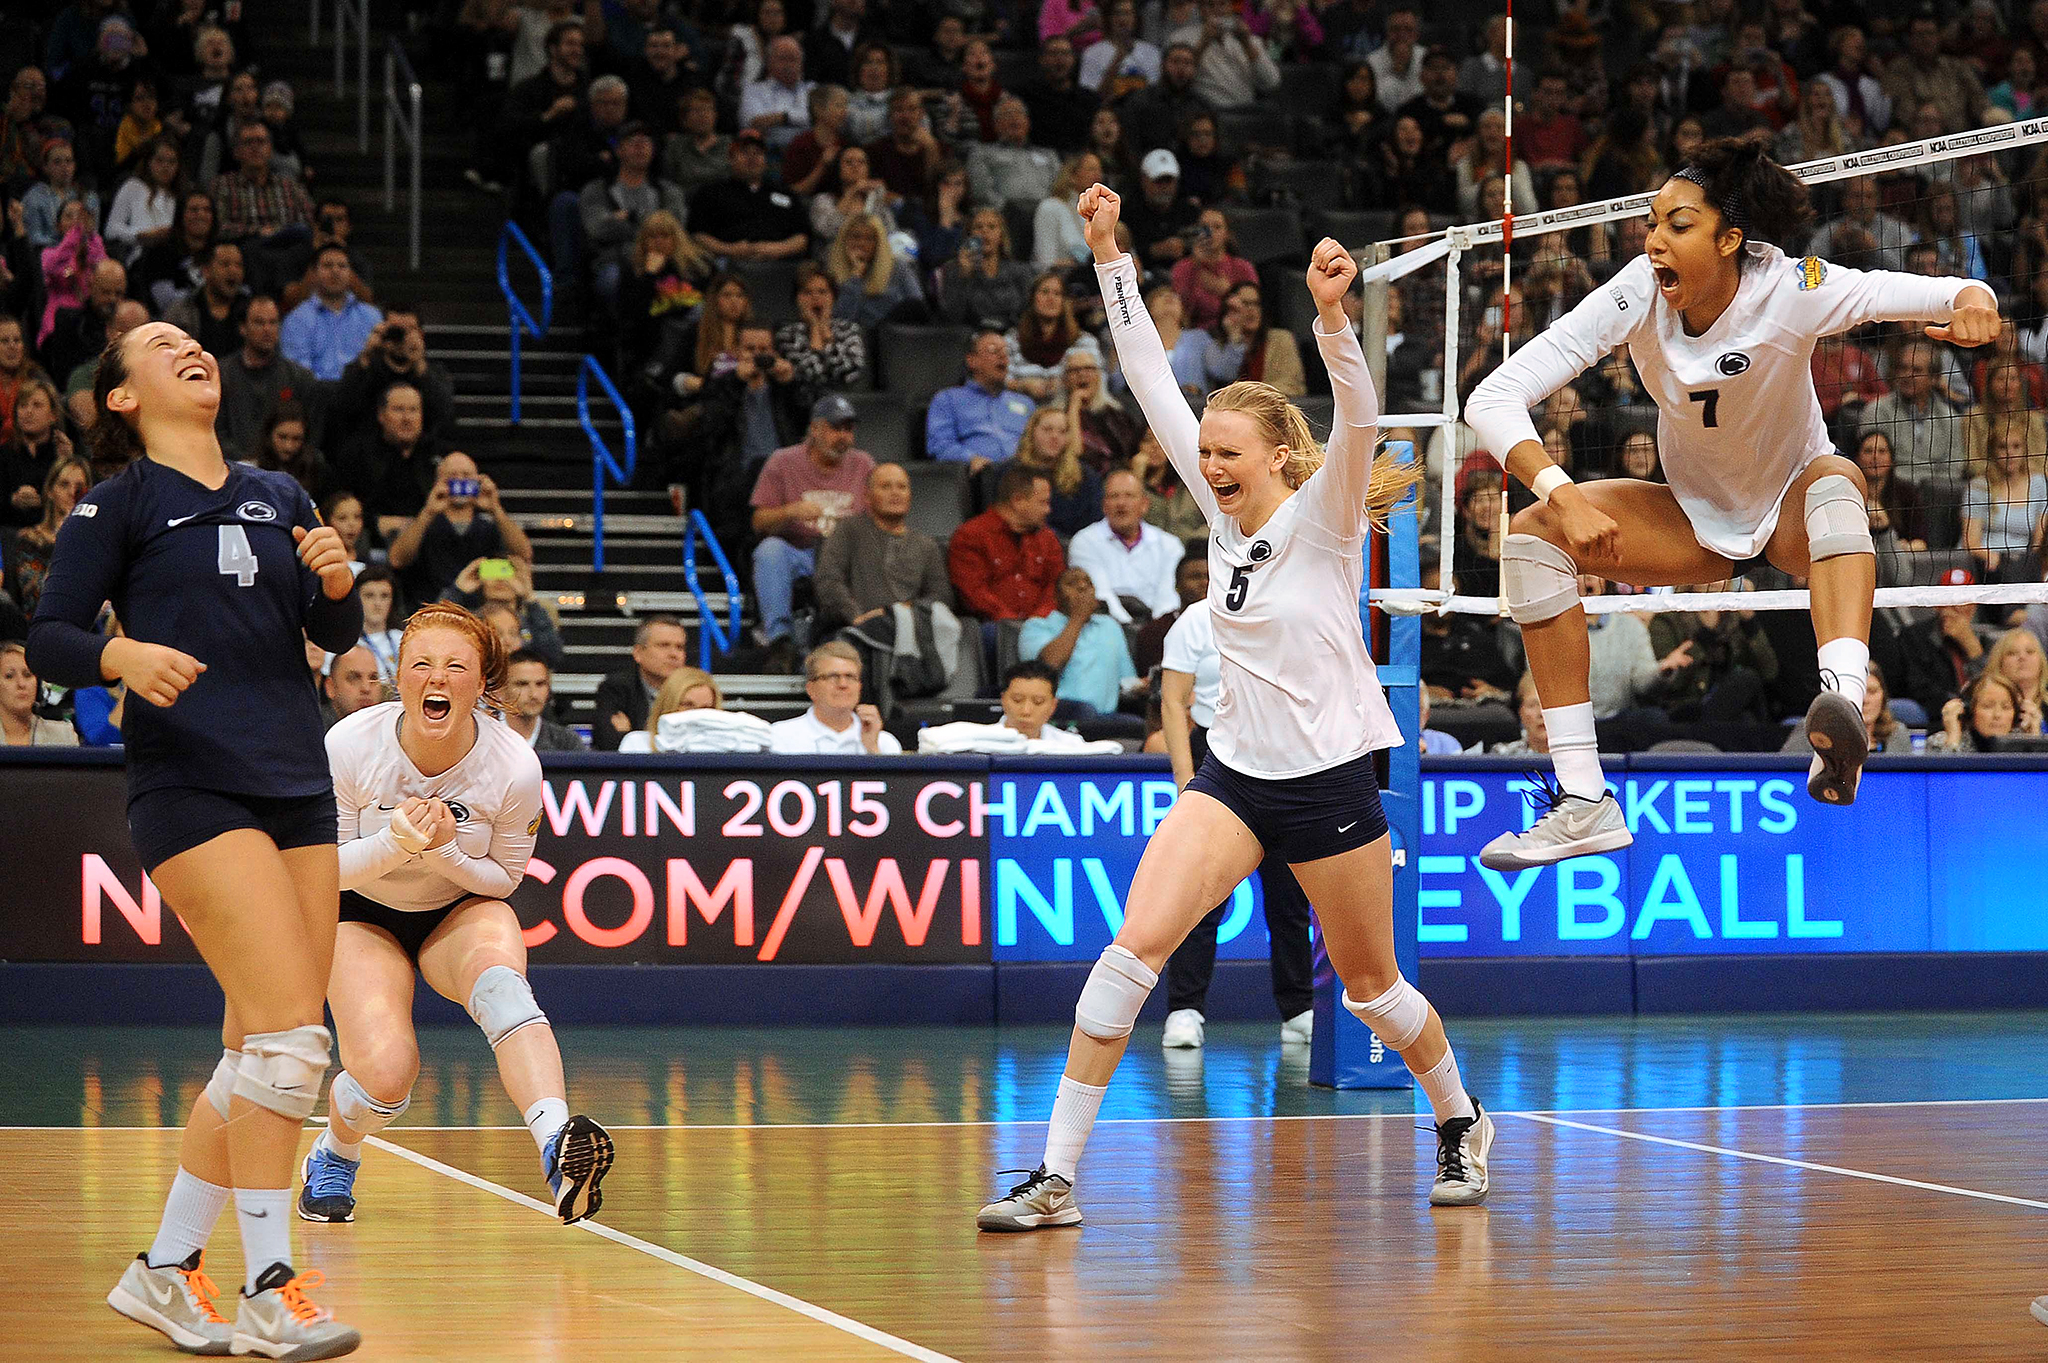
(1507, 282)
(1449, 246)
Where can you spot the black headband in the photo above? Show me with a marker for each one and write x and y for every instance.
(1730, 208)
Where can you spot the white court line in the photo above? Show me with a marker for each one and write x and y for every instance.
(683, 1261)
(1782, 1161)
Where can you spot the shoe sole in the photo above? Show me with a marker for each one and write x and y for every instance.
(1069, 1216)
(297, 1353)
(1835, 729)
(585, 1159)
(1179, 1044)
(1609, 841)
(141, 1312)
(1485, 1149)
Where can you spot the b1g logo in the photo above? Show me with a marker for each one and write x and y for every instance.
(256, 511)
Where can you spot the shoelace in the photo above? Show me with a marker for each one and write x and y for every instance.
(1450, 1152)
(293, 1295)
(331, 1178)
(1545, 794)
(1032, 1178)
(202, 1290)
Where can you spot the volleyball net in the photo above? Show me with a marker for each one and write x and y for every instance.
(1952, 441)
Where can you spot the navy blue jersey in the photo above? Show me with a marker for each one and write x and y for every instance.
(213, 573)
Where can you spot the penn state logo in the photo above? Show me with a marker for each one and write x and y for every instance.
(1260, 551)
(1731, 364)
(256, 511)
(458, 809)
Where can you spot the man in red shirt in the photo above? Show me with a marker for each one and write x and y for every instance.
(1550, 134)
(1005, 562)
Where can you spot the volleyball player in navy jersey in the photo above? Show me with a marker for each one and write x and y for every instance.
(219, 572)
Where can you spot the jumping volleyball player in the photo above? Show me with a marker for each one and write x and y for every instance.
(439, 805)
(1290, 768)
(219, 572)
(1721, 326)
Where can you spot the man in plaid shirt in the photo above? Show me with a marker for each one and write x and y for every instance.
(265, 212)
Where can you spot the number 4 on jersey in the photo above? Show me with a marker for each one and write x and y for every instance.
(236, 557)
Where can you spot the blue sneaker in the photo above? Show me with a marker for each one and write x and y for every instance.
(330, 1191)
(575, 1162)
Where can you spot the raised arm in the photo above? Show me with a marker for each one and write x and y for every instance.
(1833, 298)
(1347, 470)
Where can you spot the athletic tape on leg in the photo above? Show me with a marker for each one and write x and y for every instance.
(1837, 522)
(502, 1003)
(1117, 988)
(1541, 580)
(363, 1114)
(281, 1071)
(1397, 1017)
(220, 1090)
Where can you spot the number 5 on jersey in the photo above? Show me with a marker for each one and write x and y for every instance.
(1240, 583)
(236, 557)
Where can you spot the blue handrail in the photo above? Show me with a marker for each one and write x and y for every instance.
(518, 319)
(601, 458)
(709, 629)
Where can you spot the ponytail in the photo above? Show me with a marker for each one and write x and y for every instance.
(115, 443)
(1283, 423)
(495, 662)
(1750, 191)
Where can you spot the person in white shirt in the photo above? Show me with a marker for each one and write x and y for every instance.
(438, 809)
(778, 106)
(837, 723)
(1721, 328)
(1299, 715)
(1128, 560)
(1028, 697)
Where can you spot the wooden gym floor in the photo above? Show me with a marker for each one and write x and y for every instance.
(1841, 1188)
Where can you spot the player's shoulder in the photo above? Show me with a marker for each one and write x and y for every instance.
(509, 752)
(1799, 274)
(1630, 289)
(273, 489)
(114, 494)
(361, 734)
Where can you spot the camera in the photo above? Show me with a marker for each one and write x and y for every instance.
(463, 487)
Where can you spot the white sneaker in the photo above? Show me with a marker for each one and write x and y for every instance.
(1041, 1201)
(280, 1321)
(2040, 1309)
(1183, 1030)
(1462, 1145)
(1571, 827)
(176, 1299)
(1297, 1030)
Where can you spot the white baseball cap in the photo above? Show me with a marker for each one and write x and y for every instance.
(1160, 164)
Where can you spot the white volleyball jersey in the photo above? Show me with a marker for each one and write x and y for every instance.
(494, 793)
(1737, 417)
(1298, 691)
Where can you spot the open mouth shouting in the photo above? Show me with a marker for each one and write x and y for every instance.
(1225, 491)
(435, 707)
(1667, 279)
(194, 371)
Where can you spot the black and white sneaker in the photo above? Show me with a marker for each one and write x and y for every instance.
(576, 1161)
(1462, 1144)
(1040, 1201)
(1834, 726)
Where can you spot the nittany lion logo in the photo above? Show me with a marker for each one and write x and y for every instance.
(458, 809)
(1731, 364)
(1260, 551)
(256, 511)
(1812, 271)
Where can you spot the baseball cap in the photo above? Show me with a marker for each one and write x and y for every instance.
(834, 410)
(1160, 164)
(1959, 577)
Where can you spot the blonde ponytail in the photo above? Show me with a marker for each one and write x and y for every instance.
(1283, 423)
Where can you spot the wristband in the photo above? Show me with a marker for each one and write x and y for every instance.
(1548, 482)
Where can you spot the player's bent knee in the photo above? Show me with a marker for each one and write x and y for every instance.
(1541, 580)
(1397, 1016)
(1117, 988)
(361, 1110)
(502, 1003)
(220, 1089)
(1837, 520)
(281, 1071)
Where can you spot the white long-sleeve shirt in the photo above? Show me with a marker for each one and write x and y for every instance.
(1299, 693)
(137, 208)
(494, 793)
(1144, 570)
(1737, 417)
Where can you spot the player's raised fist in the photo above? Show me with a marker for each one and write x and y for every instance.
(1331, 272)
(1099, 209)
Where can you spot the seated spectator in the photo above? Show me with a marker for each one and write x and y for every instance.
(35, 447)
(278, 105)
(908, 157)
(20, 725)
(660, 291)
(744, 217)
(1626, 672)
(1051, 445)
(265, 211)
(803, 492)
(283, 446)
(1003, 562)
(394, 464)
(1160, 215)
(707, 344)
(623, 699)
(67, 266)
(25, 554)
(1120, 63)
(874, 286)
(460, 522)
(507, 583)
(837, 724)
(1039, 342)
(1989, 710)
(977, 93)
(43, 205)
(1209, 175)
(1435, 742)
(1535, 739)
(809, 160)
(777, 106)
(2005, 352)
(349, 682)
(1859, 214)
(1482, 162)
(530, 689)
(827, 351)
(2005, 405)
(983, 285)
(1233, 69)
(699, 154)
(1133, 565)
(212, 313)
(1087, 649)
(1242, 346)
(1106, 139)
(1353, 121)
(687, 689)
(344, 512)
(2005, 511)
(872, 562)
(1190, 584)
(662, 73)
(1941, 653)
(1009, 170)
(612, 211)
(1898, 512)
(1109, 434)
(847, 190)
(395, 353)
(1210, 270)
(1716, 664)
(584, 147)
(936, 69)
(980, 421)
(1923, 73)
(26, 127)
(15, 369)
(1056, 240)
(1402, 170)
(876, 74)
(1463, 657)
(170, 266)
(1028, 699)
(332, 328)
(748, 411)
(146, 205)
(1060, 107)
(256, 381)
(377, 586)
(1880, 726)
(1639, 457)
(2018, 657)
(938, 218)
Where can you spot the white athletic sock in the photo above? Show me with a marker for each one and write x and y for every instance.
(1843, 665)
(1447, 1096)
(1575, 750)
(189, 1213)
(264, 1215)
(1073, 1117)
(352, 1151)
(545, 1118)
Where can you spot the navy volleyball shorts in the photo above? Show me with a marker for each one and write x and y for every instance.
(410, 928)
(1302, 818)
(174, 819)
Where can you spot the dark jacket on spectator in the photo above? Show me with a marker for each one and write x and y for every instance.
(248, 397)
(353, 401)
(1060, 116)
(710, 460)
(728, 210)
(621, 693)
(389, 482)
(1934, 665)
(520, 116)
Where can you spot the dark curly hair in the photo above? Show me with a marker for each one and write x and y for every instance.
(1749, 190)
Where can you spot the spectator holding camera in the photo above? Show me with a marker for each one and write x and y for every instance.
(333, 327)
(983, 285)
(1988, 710)
(394, 353)
(461, 521)
(506, 583)
(1210, 270)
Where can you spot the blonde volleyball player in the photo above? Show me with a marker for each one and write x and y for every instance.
(1290, 768)
(1721, 326)
(438, 808)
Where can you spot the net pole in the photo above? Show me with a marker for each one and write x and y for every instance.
(1507, 297)
(1447, 495)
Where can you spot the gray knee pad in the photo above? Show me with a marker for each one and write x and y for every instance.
(281, 1071)
(364, 1114)
(1540, 579)
(220, 1090)
(502, 1003)
(1837, 522)
(1397, 1017)
(1117, 988)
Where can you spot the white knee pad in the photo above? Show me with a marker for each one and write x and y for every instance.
(366, 1115)
(281, 1071)
(1541, 580)
(220, 1090)
(502, 1003)
(1837, 522)
(1117, 988)
(1397, 1017)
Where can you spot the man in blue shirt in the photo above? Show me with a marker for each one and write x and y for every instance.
(331, 328)
(980, 422)
(1087, 648)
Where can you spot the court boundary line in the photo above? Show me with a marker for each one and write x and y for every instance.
(711, 1272)
(1780, 1160)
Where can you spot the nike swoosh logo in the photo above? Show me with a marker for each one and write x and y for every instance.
(258, 1215)
(1349, 826)
(161, 1293)
(387, 808)
(177, 521)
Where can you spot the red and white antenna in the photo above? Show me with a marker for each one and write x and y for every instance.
(1507, 241)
